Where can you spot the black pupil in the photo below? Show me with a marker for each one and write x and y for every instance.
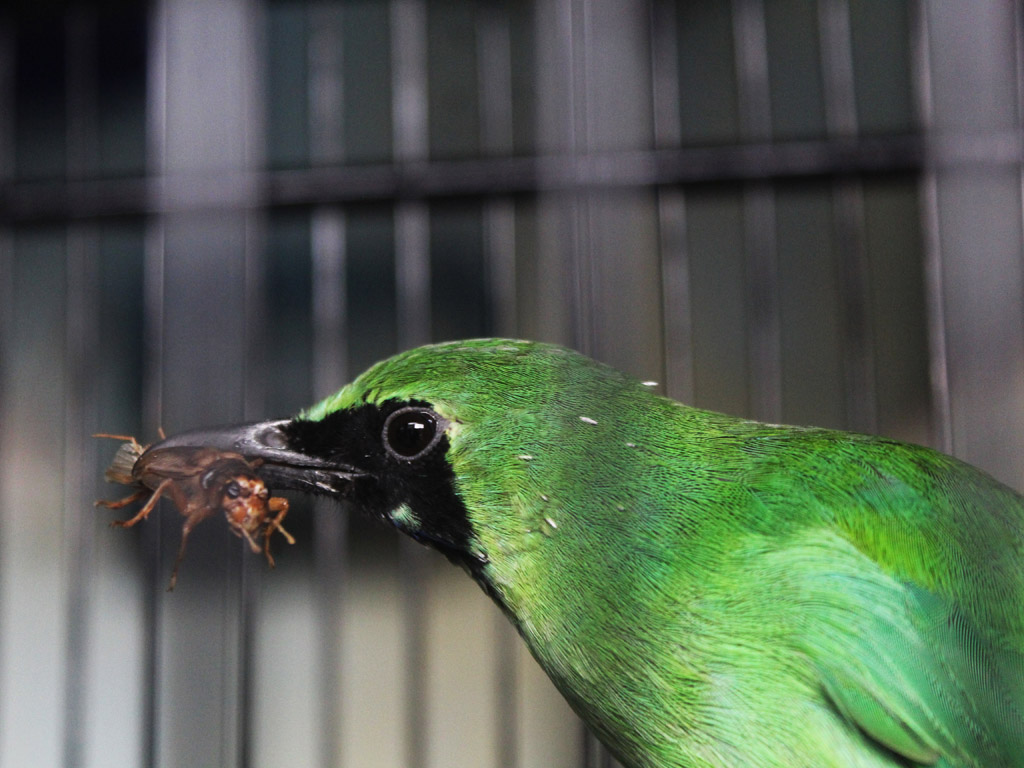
(233, 490)
(409, 433)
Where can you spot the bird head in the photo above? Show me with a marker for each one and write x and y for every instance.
(470, 447)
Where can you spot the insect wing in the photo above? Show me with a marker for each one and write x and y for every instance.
(179, 463)
(122, 466)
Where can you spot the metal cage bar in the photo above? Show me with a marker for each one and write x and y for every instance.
(848, 203)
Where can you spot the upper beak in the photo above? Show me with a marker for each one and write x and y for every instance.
(280, 466)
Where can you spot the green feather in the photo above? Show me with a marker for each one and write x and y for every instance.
(709, 591)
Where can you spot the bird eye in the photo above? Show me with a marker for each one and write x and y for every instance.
(232, 489)
(411, 432)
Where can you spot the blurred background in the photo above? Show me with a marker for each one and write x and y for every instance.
(797, 210)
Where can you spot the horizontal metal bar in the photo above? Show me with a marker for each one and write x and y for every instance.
(76, 199)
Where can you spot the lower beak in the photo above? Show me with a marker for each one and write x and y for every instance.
(266, 444)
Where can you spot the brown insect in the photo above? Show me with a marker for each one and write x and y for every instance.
(199, 482)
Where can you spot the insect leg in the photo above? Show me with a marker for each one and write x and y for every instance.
(121, 502)
(122, 438)
(144, 512)
(280, 505)
(186, 529)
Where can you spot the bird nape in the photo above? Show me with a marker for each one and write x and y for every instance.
(706, 591)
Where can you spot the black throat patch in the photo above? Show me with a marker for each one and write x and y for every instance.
(424, 485)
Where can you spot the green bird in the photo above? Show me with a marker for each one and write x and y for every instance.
(706, 591)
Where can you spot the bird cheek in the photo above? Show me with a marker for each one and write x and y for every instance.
(404, 519)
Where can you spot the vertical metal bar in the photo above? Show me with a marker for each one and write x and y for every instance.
(1018, 53)
(248, 615)
(495, 83)
(152, 537)
(253, 395)
(326, 84)
(494, 53)
(409, 72)
(579, 13)
(330, 368)
(155, 240)
(581, 230)
(500, 250)
(409, 68)
(32, 576)
(848, 212)
(676, 309)
(675, 272)
(974, 87)
(249, 574)
(837, 67)
(253, 387)
(82, 109)
(941, 427)
(858, 349)
(7, 151)
(210, 128)
(1018, 44)
(330, 351)
(763, 300)
(412, 256)
(82, 251)
(412, 272)
(80, 327)
(751, 41)
(665, 73)
(759, 213)
(156, 139)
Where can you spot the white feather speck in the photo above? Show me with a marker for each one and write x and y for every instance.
(587, 420)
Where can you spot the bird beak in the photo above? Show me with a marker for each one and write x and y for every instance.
(266, 444)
